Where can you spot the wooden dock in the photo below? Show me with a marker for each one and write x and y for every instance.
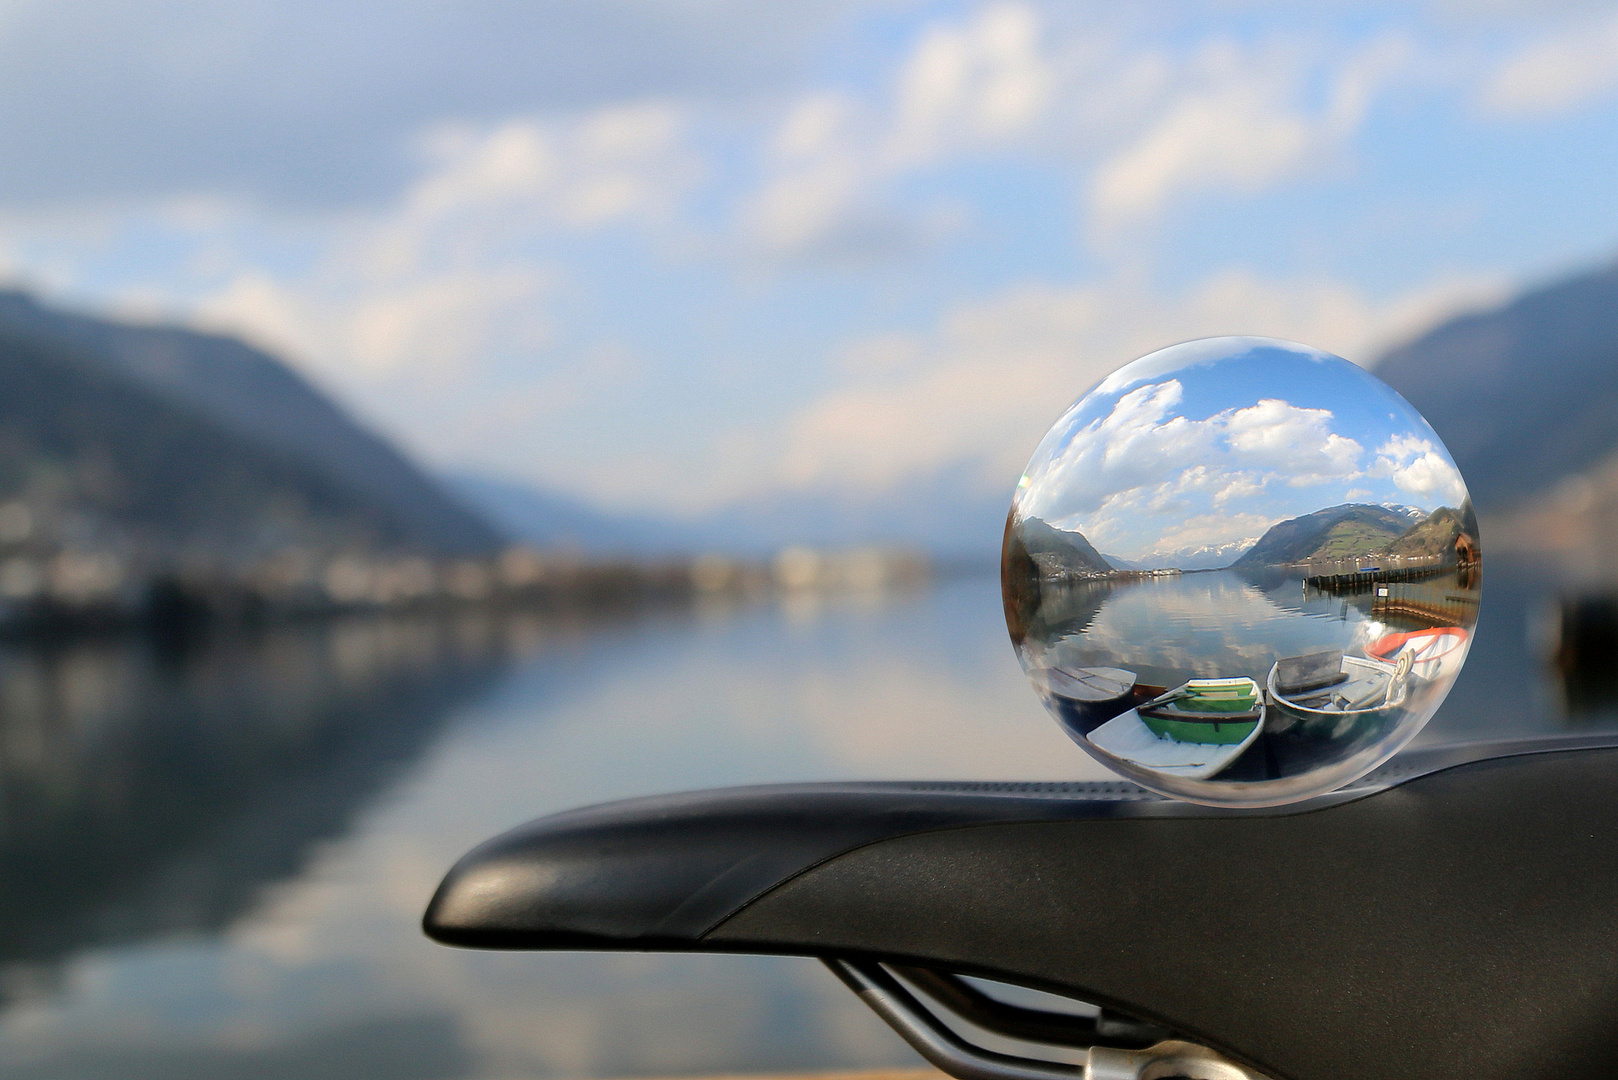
(1426, 604)
(1362, 580)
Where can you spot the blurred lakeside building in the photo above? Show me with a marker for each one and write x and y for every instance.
(68, 591)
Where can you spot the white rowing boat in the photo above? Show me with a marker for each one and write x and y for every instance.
(1369, 693)
(1083, 697)
(1126, 736)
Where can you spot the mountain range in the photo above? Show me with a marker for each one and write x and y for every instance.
(944, 514)
(186, 438)
(555, 519)
(1070, 549)
(164, 438)
(1202, 557)
(1355, 530)
(1436, 533)
(1525, 394)
(1337, 532)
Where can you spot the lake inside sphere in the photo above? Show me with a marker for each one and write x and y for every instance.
(1241, 571)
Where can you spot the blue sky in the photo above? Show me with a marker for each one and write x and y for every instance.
(672, 254)
(1186, 456)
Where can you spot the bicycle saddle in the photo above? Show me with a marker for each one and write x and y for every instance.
(1454, 914)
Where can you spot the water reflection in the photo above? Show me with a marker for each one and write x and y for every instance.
(395, 1048)
(1231, 624)
(147, 789)
(222, 854)
(1519, 681)
(217, 858)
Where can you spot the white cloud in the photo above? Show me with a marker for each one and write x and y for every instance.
(1239, 486)
(1135, 125)
(994, 375)
(1112, 458)
(1276, 435)
(806, 204)
(1416, 467)
(1239, 135)
(430, 329)
(1560, 71)
(1144, 462)
(441, 284)
(621, 162)
(982, 80)
(1239, 121)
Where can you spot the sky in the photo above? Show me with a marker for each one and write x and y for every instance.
(674, 254)
(1186, 456)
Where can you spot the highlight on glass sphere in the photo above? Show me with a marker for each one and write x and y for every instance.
(1241, 571)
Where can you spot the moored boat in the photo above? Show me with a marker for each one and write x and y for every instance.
(1368, 693)
(1214, 711)
(1087, 696)
(1437, 652)
(1194, 730)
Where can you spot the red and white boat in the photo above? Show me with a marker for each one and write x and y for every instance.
(1436, 653)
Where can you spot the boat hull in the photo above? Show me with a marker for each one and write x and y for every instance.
(1211, 732)
(1127, 738)
(1084, 698)
(1437, 653)
(1301, 715)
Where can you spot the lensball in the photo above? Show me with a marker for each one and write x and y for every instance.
(1241, 571)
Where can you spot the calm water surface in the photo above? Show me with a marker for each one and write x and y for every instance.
(215, 856)
(1208, 625)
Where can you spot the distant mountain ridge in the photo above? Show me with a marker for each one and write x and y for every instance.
(1436, 534)
(1336, 532)
(1071, 548)
(944, 515)
(528, 515)
(1522, 395)
(246, 393)
(100, 461)
(1408, 512)
(1204, 557)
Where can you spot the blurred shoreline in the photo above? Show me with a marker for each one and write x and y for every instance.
(70, 593)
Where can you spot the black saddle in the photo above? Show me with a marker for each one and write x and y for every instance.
(1453, 915)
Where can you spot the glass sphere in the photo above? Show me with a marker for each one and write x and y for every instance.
(1241, 571)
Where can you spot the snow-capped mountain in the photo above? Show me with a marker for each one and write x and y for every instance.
(1207, 557)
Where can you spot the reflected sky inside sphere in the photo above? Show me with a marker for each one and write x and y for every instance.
(1241, 571)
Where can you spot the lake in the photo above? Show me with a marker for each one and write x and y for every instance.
(1207, 624)
(216, 853)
